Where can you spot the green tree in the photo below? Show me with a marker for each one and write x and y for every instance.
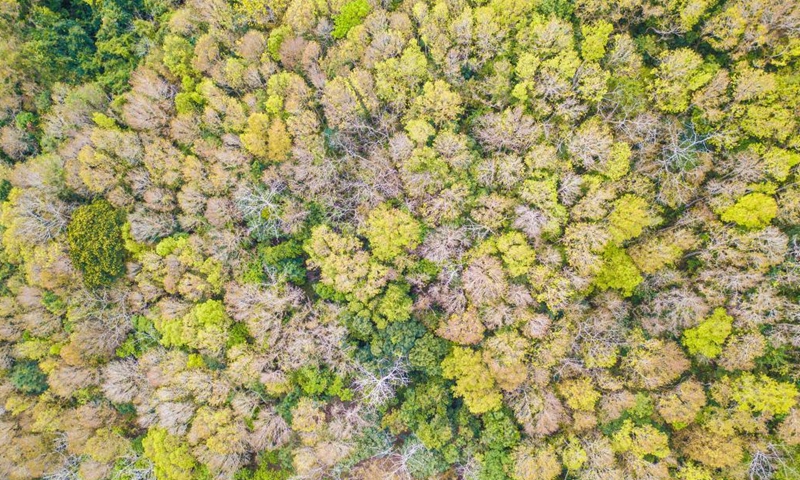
(121, 28)
(707, 338)
(595, 38)
(573, 455)
(679, 73)
(439, 103)
(170, 455)
(495, 465)
(206, 327)
(756, 393)
(393, 306)
(58, 42)
(631, 215)
(397, 79)
(640, 440)
(518, 257)
(428, 353)
(28, 378)
(618, 272)
(579, 393)
(279, 142)
(96, 246)
(474, 382)
(255, 137)
(391, 232)
(178, 53)
(754, 210)
(344, 267)
(425, 411)
(352, 14)
(499, 430)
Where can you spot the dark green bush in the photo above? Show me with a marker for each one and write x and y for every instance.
(28, 378)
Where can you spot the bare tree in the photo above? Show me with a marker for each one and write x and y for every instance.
(40, 216)
(768, 460)
(260, 207)
(134, 467)
(378, 388)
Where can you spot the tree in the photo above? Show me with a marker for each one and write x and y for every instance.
(428, 353)
(397, 79)
(754, 210)
(630, 216)
(742, 351)
(711, 448)
(255, 137)
(654, 363)
(681, 405)
(465, 328)
(756, 394)
(474, 382)
(640, 440)
(351, 14)
(579, 393)
(618, 272)
(343, 265)
(106, 446)
(499, 431)
(206, 328)
(438, 103)
(391, 232)
(592, 144)
(531, 463)
(378, 389)
(505, 355)
(707, 338)
(28, 378)
(660, 251)
(279, 143)
(573, 455)
(618, 162)
(425, 412)
(170, 455)
(484, 280)
(518, 257)
(393, 306)
(595, 38)
(679, 73)
(95, 241)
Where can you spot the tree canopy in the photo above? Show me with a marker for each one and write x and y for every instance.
(399, 239)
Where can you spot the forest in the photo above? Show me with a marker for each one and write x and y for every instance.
(399, 239)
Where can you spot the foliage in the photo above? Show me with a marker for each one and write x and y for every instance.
(473, 380)
(618, 272)
(206, 328)
(170, 456)
(362, 239)
(629, 217)
(391, 231)
(640, 440)
(759, 393)
(754, 210)
(28, 378)
(351, 14)
(95, 243)
(707, 338)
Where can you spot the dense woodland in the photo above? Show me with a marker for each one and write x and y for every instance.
(399, 239)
